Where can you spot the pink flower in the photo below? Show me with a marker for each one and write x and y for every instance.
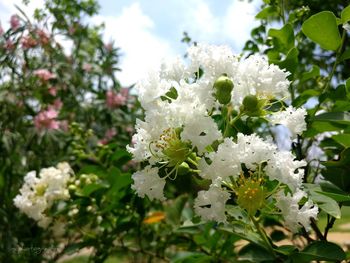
(44, 74)
(1, 30)
(129, 129)
(114, 100)
(43, 36)
(109, 46)
(9, 45)
(53, 91)
(110, 133)
(124, 92)
(14, 22)
(87, 67)
(57, 104)
(64, 125)
(47, 120)
(28, 42)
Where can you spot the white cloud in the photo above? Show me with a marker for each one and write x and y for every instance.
(142, 49)
(231, 27)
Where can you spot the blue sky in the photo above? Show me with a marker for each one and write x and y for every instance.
(148, 31)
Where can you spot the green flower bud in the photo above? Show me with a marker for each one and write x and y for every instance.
(72, 187)
(252, 106)
(250, 103)
(223, 86)
(183, 169)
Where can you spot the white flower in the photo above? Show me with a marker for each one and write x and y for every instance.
(283, 168)
(224, 162)
(201, 131)
(292, 118)
(147, 182)
(346, 26)
(293, 215)
(256, 77)
(38, 193)
(210, 205)
(173, 69)
(252, 150)
(214, 60)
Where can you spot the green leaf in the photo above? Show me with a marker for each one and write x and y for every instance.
(283, 38)
(329, 121)
(191, 257)
(174, 211)
(314, 72)
(322, 28)
(345, 55)
(90, 188)
(337, 172)
(325, 203)
(320, 250)
(254, 253)
(304, 96)
(345, 14)
(267, 12)
(290, 63)
(343, 139)
(336, 197)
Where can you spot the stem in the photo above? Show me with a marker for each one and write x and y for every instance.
(263, 235)
(318, 232)
(282, 12)
(330, 223)
(227, 121)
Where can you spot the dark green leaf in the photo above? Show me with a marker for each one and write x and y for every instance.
(320, 250)
(254, 253)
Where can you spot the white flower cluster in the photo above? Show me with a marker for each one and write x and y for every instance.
(293, 119)
(39, 193)
(179, 101)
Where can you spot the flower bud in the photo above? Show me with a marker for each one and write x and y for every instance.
(223, 87)
(252, 106)
(183, 169)
(250, 103)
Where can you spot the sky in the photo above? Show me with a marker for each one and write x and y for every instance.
(148, 31)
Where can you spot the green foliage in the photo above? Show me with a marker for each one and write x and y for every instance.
(322, 28)
(320, 250)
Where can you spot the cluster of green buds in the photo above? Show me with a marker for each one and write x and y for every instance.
(252, 106)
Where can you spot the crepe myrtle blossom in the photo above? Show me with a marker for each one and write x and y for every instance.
(114, 100)
(14, 22)
(180, 134)
(39, 192)
(292, 118)
(47, 120)
(44, 74)
(293, 214)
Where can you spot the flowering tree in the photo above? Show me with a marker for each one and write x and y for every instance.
(235, 152)
(60, 101)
